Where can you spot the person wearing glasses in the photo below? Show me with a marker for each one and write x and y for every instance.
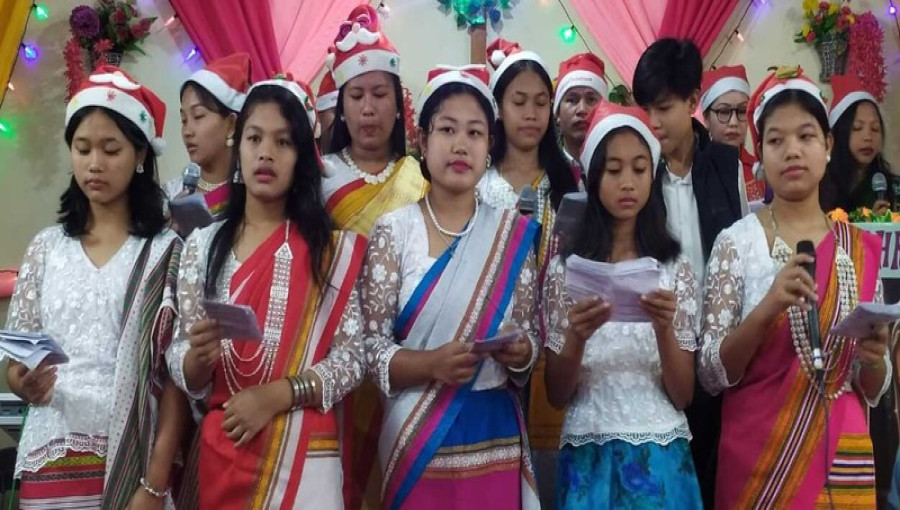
(724, 94)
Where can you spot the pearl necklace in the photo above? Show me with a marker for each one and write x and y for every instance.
(206, 186)
(450, 233)
(369, 178)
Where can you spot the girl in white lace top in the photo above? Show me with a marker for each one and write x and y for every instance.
(625, 384)
(105, 427)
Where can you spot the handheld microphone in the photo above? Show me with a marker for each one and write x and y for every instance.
(528, 201)
(815, 341)
(190, 176)
(879, 185)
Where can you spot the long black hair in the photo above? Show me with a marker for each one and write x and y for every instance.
(433, 104)
(145, 197)
(840, 179)
(305, 206)
(340, 133)
(594, 239)
(562, 179)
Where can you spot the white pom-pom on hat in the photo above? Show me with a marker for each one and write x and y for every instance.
(497, 57)
(159, 145)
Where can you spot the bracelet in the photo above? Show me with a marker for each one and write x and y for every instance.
(295, 391)
(152, 491)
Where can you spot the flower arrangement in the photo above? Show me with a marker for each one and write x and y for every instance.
(112, 26)
(863, 215)
(866, 57)
(824, 20)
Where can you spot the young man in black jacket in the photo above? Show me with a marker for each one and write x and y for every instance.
(702, 186)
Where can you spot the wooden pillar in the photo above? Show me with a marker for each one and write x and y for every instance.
(478, 42)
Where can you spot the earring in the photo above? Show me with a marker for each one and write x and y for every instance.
(398, 115)
(828, 158)
(489, 161)
(238, 178)
(343, 119)
(229, 142)
(140, 168)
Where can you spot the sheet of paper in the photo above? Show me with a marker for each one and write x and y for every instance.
(238, 321)
(31, 349)
(621, 284)
(497, 342)
(866, 315)
(190, 213)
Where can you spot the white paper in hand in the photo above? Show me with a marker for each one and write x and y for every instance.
(237, 321)
(496, 343)
(866, 315)
(190, 213)
(621, 284)
(31, 349)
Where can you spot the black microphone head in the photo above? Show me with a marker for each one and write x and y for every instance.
(806, 246)
(879, 182)
(528, 200)
(190, 176)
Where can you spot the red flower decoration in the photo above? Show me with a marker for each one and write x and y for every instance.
(866, 57)
(103, 46)
(74, 67)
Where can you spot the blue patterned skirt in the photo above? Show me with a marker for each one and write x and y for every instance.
(618, 474)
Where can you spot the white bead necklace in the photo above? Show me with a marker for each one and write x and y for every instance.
(206, 186)
(367, 177)
(450, 233)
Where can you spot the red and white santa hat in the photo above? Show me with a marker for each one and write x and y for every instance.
(780, 80)
(475, 76)
(847, 91)
(361, 47)
(327, 97)
(607, 117)
(110, 87)
(581, 70)
(227, 78)
(299, 89)
(720, 81)
(502, 54)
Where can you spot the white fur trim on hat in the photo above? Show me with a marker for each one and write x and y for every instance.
(580, 78)
(119, 101)
(212, 82)
(512, 59)
(497, 57)
(792, 84)
(455, 76)
(364, 62)
(854, 97)
(615, 121)
(298, 92)
(327, 101)
(721, 87)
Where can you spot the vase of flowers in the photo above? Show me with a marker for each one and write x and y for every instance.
(109, 30)
(826, 27)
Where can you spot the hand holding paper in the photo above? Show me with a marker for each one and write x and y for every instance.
(621, 284)
(864, 318)
(31, 349)
(237, 321)
(190, 213)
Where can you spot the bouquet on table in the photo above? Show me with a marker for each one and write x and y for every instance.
(864, 215)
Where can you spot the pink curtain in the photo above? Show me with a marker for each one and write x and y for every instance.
(305, 30)
(623, 28)
(700, 20)
(223, 27)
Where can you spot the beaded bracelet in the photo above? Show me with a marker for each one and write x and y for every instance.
(152, 491)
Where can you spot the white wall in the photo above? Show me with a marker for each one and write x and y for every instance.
(34, 166)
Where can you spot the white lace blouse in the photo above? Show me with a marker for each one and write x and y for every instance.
(396, 263)
(740, 272)
(341, 370)
(620, 394)
(62, 293)
(498, 192)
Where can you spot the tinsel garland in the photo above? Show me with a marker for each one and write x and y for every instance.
(74, 67)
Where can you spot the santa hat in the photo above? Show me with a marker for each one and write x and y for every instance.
(847, 91)
(720, 81)
(300, 90)
(582, 70)
(112, 88)
(502, 54)
(361, 47)
(780, 80)
(475, 76)
(328, 94)
(227, 78)
(304, 94)
(607, 117)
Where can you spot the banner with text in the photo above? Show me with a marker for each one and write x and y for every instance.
(890, 247)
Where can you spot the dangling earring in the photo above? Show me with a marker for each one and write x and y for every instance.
(238, 178)
(229, 142)
(398, 115)
(489, 161)
(140, 168)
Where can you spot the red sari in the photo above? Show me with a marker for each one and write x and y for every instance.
(296, 457)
